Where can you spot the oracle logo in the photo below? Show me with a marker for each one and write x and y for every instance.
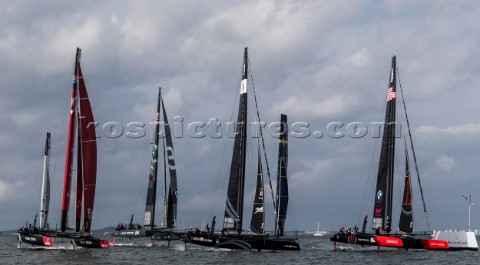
(392, 241)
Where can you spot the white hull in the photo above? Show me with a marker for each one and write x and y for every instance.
(458, 240)
(320, 233)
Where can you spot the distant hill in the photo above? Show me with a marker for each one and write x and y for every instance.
(96, 231)
(108, 229)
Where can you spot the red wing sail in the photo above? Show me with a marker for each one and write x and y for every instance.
(88, 152)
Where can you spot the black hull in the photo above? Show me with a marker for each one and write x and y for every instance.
(242, 242)
(155, 234)
(91, 242)
(35, 239)
(130, 233)
(86, 241)
(166, 234)
(357, 239)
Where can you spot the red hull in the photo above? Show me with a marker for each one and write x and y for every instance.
(389, 241)
(435, 244)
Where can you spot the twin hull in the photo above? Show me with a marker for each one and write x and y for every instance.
(243, 242)
(390, 241)
(157, 233)
(45, 239)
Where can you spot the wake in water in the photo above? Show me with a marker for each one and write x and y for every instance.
(61, 246)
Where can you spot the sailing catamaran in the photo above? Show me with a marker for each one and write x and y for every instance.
(81, 158)
(231, 235)
(149, 228)
(30, 234)
(382, 211)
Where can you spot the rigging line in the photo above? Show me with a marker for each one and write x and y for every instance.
(262, 140)
(251, 158)
(413, 152)
(141, 173)
(363, 204)
(221, 168)
(59, 127)
(141, 180)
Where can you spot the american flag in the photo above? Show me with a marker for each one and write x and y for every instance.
(391, 94)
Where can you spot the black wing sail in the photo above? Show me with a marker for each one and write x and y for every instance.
(149, 220)
(171, 211)
(258, 215)
(282, 182)
(406, 214)
(382, 212)
(234, 205)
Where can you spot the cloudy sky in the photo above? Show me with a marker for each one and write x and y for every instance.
(320, 62)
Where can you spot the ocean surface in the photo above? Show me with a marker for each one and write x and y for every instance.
(314, 250)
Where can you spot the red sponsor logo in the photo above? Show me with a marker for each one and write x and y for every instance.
(389, 241)
(104, 244)
(47, 241)
(435, 244)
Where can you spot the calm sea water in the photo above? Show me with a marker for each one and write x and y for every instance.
(315, 250)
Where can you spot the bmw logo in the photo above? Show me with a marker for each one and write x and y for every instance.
(379, 195)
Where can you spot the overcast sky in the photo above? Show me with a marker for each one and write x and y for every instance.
(320, 62)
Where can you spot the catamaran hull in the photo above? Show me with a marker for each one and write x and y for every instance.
(132, 233)
(166, 234)
(241, 242)
(86, 241)
(92, 243)
(35, 240)
(390, 241)
(156, 234)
